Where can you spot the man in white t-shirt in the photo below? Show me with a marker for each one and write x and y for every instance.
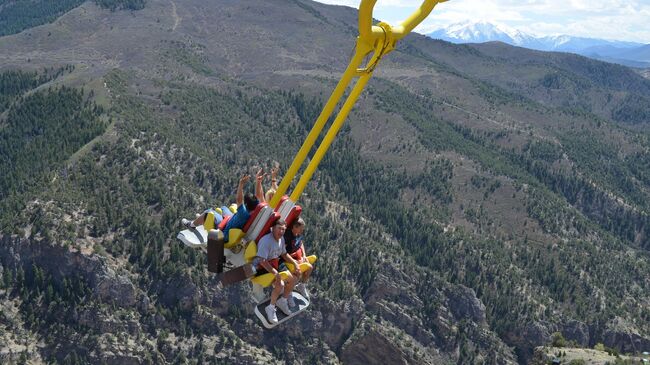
(269, 250)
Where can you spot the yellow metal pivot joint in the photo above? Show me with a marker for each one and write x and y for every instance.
(382, 47)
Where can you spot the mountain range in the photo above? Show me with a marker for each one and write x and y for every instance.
(626, 53)
(483, 204)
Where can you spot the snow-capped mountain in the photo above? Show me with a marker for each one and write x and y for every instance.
(479, 32)
(483, 31)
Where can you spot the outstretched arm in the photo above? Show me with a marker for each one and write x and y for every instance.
(274, 178)
(259, 191)
(240, 189)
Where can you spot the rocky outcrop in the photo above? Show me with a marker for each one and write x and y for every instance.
(626, 342)
(529, 336)
(338, 320)
(624, 337)
(60, 262)
(576, 331)
(619, 335)
(463, 304)
(179, 291)
(109, 287)
(430, 318)
(388, 295)
(373, 348)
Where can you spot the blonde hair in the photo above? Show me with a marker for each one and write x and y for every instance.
(269, 195)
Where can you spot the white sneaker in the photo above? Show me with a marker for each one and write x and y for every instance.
(302, 289)
(283, 304)
(292, 303)
(187, 223)
(270, 314)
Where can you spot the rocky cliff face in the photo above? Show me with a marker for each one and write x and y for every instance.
(62, 262)
(427, 325)
(623, 335)
(577, 331)
(389, 324)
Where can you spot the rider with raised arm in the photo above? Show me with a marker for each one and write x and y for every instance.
(245, 206)
(242, 214)
(259, 177)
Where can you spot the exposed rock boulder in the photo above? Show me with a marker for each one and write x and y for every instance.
(463, 304)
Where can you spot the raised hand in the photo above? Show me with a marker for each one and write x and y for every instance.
(260, 175)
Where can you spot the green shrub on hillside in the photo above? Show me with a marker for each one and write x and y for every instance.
(557, 340)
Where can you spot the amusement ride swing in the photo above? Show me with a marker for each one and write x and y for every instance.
(375, 41)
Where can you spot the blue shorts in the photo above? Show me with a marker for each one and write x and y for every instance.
(217, 217)
(226, 211)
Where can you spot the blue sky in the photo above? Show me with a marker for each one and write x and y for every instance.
(627, 20)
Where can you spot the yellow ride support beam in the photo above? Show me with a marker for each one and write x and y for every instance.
(381, 39)
(329, 137)
(317, 128)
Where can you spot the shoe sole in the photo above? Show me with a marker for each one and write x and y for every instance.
(260, 312)
(285, 313)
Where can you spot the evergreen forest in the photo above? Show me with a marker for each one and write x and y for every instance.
(483, 204)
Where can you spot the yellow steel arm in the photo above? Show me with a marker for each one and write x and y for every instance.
(378, 39)
(370, 33)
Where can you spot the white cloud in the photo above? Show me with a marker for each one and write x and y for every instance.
(609, 19)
